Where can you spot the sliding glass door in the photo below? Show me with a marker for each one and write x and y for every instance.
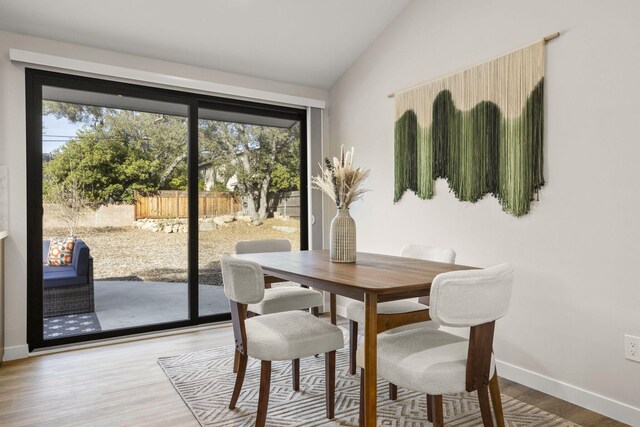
(249, 166)
(135, 191)
(114, 191)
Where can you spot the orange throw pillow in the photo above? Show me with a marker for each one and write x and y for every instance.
(61, 251)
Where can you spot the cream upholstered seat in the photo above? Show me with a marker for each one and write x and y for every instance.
(436, 362)
(279, 336)
(286, 298)
(290, 335)
(355, 309)
(283, 298)
(423, 359)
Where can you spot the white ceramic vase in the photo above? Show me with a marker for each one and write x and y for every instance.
(343, 237)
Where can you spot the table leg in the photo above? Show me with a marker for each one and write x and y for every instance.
(370, 359)
(332, 304)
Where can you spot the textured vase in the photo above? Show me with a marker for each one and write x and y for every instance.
(343, 237)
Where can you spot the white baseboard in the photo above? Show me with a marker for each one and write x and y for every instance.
(570, 393)
(16, 352)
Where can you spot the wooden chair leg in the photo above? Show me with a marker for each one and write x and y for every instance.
(429, 408)
(295, 374)
(353, 346)
(242, 368)
(236, 360)
(393, 392)
(330, 383)
(263, 398)
(485, 407)
(438, 414)
(496, 400)
(361, 416)
(316, 312)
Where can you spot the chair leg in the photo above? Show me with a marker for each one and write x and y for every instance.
(429, 408)
(496, 400)
(485, 407)
(242, 368)
(353, 346)
(393, 392)
(330, 382)
(295, 373)
(263, 398)
(361, 416)
(438, 414)
(236, 360)
(316, 312)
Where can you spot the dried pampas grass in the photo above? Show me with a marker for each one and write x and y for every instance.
(340, 180)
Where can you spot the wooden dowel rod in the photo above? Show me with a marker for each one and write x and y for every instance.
(546, 39)
(551, 37)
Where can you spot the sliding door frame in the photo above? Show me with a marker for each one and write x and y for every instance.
(35, 80)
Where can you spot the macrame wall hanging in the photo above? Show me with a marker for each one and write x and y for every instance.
(480, 129)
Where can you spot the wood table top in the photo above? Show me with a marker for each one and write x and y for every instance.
(391, 277)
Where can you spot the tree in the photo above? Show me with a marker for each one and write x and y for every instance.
(119, 152)
(70, 203)
(265, 160)
(75, 113)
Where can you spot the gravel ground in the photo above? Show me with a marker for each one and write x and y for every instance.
(127, 253)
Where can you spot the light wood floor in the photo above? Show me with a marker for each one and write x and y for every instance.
(122, 385)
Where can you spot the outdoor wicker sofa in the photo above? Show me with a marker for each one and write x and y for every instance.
(68, 289)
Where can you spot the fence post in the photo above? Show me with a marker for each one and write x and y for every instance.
(135, 206)
(204, 205)
(177, 205)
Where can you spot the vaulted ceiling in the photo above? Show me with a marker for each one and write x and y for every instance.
(308, 42)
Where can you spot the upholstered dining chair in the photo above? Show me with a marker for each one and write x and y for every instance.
(272, 337)
(283, 298)
(355, 309)
(279, 299)
(435, 362)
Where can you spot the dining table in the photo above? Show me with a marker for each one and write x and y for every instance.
(372, 278)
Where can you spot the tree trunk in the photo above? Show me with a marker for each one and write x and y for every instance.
(264, 188)
(262, 211)
(250, 207)
(170, 168)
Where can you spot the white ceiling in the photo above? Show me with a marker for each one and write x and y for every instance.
(308, 42)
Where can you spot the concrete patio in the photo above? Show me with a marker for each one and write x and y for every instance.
(125, 304)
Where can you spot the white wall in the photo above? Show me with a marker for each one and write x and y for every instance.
(577, 289)
(13, 151)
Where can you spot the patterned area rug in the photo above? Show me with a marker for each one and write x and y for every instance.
(70, 325)
(205, 381)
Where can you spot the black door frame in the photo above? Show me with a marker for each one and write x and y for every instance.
(35, 80)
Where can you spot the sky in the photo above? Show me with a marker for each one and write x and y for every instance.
(56, 132)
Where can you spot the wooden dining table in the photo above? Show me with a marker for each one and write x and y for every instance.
(373, 278)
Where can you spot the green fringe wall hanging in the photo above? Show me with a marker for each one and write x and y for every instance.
(480, 129)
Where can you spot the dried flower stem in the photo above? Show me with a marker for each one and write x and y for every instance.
(340, 180)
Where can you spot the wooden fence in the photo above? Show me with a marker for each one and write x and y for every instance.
(290, 205)
(174, 204)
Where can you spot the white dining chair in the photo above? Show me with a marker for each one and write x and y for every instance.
(282, 298)
(434, 362)
(272, 337)
(355, 309)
